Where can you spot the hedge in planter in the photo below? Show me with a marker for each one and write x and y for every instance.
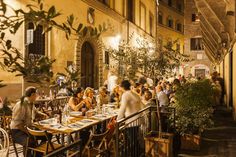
(194, 101)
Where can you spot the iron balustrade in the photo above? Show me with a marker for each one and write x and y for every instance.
(131, 131)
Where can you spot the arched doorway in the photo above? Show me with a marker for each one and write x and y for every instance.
(87, 65)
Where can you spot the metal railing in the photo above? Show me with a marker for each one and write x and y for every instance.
(131, 131)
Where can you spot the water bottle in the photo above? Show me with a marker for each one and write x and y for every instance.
(50, 94)
(55, 94)
(65, 115)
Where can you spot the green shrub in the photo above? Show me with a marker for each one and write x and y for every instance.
(194, 101)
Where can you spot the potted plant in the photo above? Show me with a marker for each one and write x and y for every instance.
(194, 101)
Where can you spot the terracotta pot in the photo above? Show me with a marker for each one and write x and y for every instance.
(190, 142)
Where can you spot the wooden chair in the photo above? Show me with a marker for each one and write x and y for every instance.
(69, 150)
(6, 121)
(96, 145)
(4, 145)
(43, 148)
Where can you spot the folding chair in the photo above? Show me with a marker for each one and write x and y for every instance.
(4, 145)
(43, 148)
(96, 145)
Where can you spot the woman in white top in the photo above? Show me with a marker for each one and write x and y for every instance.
(130, 101)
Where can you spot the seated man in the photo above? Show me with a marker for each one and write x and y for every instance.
(22, 116)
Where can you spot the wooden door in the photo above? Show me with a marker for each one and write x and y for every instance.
(87, 65)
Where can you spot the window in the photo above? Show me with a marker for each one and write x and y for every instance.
(151, 23)
(37, 46)
(170, 3)
(170, 22)
(106, 2)
(160, 18)
(179, 7)
(119, 6)
(179, 27)
(195, 18)
(196, 44)
(178, 46)
(130, 10)
(142, 16)
(107, 57)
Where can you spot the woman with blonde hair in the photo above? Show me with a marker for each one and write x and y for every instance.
(89, 98)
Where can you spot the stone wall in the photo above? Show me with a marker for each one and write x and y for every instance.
(192, 29)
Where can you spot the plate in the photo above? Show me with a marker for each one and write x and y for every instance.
(75, 125)
(76, 113)
(99, 116)
(86, 121)
(44, 122)
(56, 126)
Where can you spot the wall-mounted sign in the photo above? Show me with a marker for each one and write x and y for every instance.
(90, 15)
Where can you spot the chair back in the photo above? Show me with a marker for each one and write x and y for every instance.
(96, 137)
(4, 145)
(6, 121)
(39, 133)
(36, 133)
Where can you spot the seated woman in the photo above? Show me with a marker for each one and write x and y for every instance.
(116, 94)
(89, 98)
(76, 101)
(102, 97)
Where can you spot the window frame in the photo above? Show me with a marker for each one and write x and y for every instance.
(128, 13)
(151, 23)
(105, 2)
(198, 47)
(160, 14)
(30, 46)
(178, 25)
(170, 19)
(145, 13)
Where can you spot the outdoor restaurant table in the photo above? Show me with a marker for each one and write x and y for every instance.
(75, 123)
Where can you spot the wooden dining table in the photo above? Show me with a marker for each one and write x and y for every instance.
(75, 123)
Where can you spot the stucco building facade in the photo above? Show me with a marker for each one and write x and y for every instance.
(170, 24)
(124, 18)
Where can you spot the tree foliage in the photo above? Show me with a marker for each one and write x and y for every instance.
(147, 60)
